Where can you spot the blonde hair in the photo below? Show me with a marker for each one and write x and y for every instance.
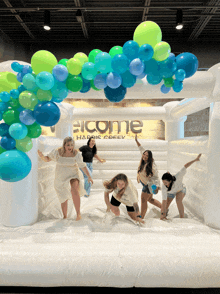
(112, 184)
(65, 141)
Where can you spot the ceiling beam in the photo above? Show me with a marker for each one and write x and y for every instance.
(83, 24)
(203, 21)
(146, 10)
(8, 4)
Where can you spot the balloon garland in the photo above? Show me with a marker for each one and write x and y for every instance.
(27, 99)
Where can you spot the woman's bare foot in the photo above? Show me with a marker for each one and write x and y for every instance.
(78, 217)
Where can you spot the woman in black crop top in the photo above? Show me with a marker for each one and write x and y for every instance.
(88, 152)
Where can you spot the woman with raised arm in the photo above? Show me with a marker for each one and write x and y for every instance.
(88, 152)
(124, 192)
(67, 181)
(173, 187)
(147, 175)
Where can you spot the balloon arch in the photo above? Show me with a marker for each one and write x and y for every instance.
(27, 100)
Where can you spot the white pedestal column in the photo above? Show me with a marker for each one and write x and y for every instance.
(174, 129)
(20, 199)
(212, 204)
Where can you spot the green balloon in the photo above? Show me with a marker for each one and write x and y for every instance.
(63, 61)
(44, 95)
(8, 81)
(116, 50)
(11, 116)
(2, 150)
(34, 130)
(161, 51)
(147, 32)
(14, 103)
(93, 54)
(93, 86)
(74, 83)
(43, 61)
(28, 99)
(168, 82)
(24, 145)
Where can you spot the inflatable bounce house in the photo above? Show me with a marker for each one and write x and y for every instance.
(39, 247)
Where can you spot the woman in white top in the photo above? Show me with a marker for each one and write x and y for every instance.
(124, 192)
(68, 183)
(147, 176)
(173, 187)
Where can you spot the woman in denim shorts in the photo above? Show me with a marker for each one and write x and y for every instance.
(173, 187)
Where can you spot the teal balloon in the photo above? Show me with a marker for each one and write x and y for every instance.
(151, 67)
(45, 80)
(15, 165)
(154, 80)
(29, 82)
(120, 63)
(89, 71)
(18, 131)
(103, 62)
(128, 80)
(177, 86)
(145, 52)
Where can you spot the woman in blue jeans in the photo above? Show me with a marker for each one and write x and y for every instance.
(88, 152)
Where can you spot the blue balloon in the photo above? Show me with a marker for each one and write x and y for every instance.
(136, 67)
(131, 49)
(177, 86)
(17, 67)
(172, 56)
(1, 116)
(29, 82)
(18, 131)
(128, 80)
(151, 67)
(86, 86)
(165, 89)
(103, 62)
(26, 69)
(14, 94)
(21, 88)
(45, 80)
(146, 52)
(15, 165)
(180, 74)
(141, 76)
(20, 76)
(115, 95)
(7, 142)
(56, 100)
(4, 129)
(3, 106)
(188, 62)
(27, 117)
(47, 113)
(60, 72)
(100, 81)
(120, 63)
(154, 80)
(4, 96)
(89, 71)
(113, 80)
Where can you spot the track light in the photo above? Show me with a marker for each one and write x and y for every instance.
(47, 20)
(179, 19)
(79, 16)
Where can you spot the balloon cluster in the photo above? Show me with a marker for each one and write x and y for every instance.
(27, 100)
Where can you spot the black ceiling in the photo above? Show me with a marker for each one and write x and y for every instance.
(107, 21)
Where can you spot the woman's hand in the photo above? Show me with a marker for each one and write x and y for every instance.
(136, 137)
(198, 157)
(40, 153)
(90, 180)
(108, 209)
(102, 160)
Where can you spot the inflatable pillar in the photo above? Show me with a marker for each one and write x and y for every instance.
(20, 199)
(64, 127)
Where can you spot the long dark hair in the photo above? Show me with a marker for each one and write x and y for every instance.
(149, 166)
(170, 178)
(94, 149)
(112, 184)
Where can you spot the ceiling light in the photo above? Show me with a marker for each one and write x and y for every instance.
(47, 20)
(79, 16)
(179, 19)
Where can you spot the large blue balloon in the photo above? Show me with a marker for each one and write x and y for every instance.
(7, 142)
(100, 81)
(131, 49)
(115, 95)
(15, 165)
(47, 113)
(113, 80)
(188, 62)
(120, 63)
(128, 80)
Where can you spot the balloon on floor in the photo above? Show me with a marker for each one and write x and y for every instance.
(27, 99)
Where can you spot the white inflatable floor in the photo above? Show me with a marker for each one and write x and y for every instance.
(107, 251)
